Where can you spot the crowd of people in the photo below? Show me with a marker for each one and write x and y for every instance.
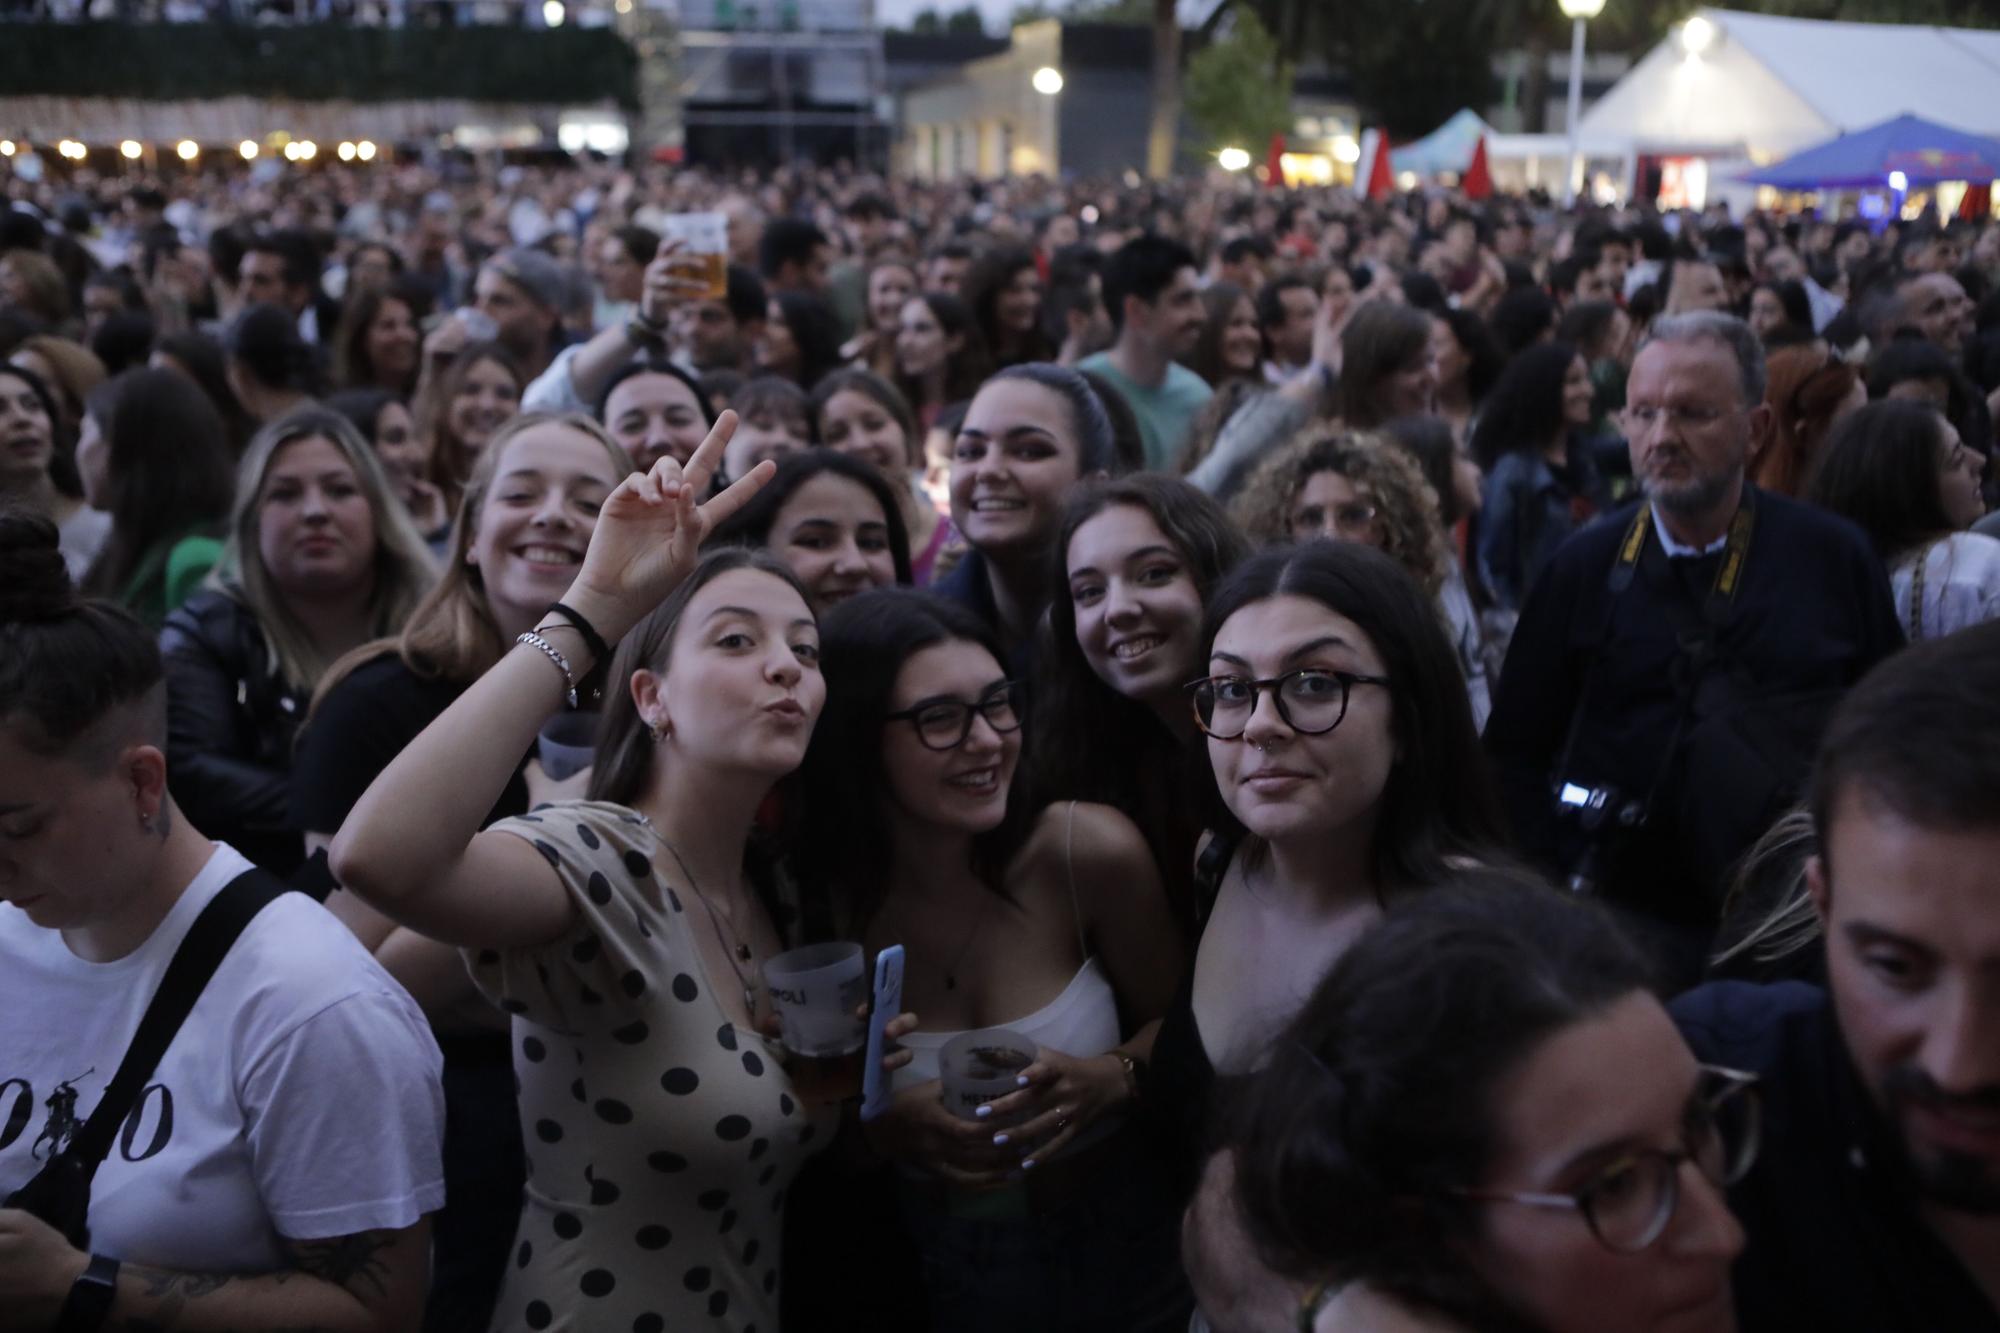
(1378, 693)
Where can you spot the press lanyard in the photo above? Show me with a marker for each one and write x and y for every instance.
(1728, 576)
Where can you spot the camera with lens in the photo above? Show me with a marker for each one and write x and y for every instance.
(1603, 816)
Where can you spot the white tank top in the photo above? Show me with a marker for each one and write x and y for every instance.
(1082, 1021)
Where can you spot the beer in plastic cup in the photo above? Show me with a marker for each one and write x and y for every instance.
(704, 254)
(819, 992)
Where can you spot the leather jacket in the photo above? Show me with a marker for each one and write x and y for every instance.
(231, 723)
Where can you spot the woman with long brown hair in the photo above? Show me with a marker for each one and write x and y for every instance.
(1132, 562)
(458, 413)
(941, 357)
(153, 455)
(378, 344)
(622, 933)
(528, 511)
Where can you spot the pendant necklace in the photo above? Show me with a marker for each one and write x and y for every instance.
(729, 956)
(978, 919)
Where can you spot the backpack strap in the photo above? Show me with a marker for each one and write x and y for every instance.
(201, 951)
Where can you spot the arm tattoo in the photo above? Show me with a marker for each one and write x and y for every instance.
(353, 1263)
(356, 1264)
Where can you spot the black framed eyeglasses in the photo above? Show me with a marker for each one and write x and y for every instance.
(943, 724)
(1312, 700)
(1629, 1203)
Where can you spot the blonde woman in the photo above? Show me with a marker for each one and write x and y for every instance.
(319, 560)
(528, 511)
(1363, 488)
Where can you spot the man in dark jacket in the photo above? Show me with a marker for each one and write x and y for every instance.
(1875, 1203)
(1675, 663)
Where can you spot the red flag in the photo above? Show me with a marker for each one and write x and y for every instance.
(1381, 181)
(1976, 201)
(1478, 182)
(1274, 166)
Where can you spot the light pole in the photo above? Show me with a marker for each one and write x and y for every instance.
(1048, 81)
(1578, 12)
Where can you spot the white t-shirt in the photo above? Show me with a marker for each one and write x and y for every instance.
(302, 1097)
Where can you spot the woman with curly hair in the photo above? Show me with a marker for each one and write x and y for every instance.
(1363, 488)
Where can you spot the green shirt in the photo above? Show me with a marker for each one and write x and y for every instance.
(168, 576)
(1165, 413)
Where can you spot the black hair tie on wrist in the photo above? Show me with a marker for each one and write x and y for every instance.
(592, 640)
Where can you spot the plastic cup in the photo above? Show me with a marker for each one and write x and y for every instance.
(567, 744)
(480, 327)
(704, 255)
(980, 1067)
(818, 992)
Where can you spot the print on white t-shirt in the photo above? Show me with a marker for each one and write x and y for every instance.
(300, 1099)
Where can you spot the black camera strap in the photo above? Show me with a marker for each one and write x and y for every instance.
(1694, 627)
(201, 951)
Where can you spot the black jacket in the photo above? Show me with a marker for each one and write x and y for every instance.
(231, 722)
(1838, 1240)
(1810, 615)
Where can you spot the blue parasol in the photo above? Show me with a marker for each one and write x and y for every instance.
(1925, 153)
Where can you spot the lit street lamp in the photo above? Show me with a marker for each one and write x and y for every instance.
(1048, 82)
(1578, 12)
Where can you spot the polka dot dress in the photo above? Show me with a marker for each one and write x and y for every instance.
(661, 1138)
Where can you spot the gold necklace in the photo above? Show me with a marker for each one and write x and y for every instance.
(729, 956)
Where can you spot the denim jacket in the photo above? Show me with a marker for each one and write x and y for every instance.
(1528, 513)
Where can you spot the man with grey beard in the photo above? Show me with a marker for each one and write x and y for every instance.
(1677, 660)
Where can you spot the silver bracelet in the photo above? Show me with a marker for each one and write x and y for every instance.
(562, 663)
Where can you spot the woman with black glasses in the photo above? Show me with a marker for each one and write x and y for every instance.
(1343, 749)
(1482, 1119)
(1045, 1212)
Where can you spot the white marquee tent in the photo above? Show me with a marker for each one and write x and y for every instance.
(1765, 86)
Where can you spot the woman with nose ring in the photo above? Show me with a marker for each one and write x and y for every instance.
(1343, 750)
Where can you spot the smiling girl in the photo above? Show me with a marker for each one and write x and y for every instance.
(1050, 921)
(519, 539)
(1135, 558)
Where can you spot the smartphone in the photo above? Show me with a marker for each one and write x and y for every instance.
(886, 1004)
